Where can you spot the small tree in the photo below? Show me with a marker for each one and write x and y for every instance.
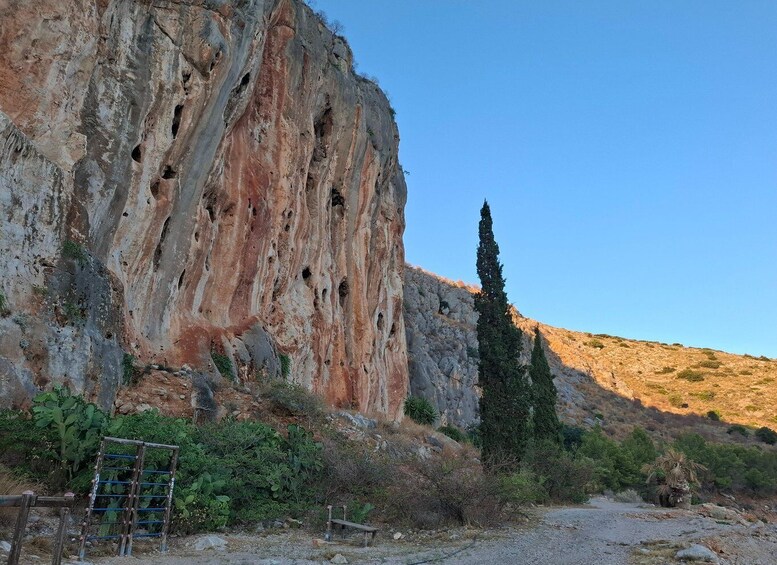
(504, 404)
(546, 424)
(674, 476)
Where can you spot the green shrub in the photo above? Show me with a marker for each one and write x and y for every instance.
(709, 364)
(665, 370)
(691, 375)
(745, 469)
(223, 364)
(617, 466)
(738, 429)
(676, 400)
(572, 436)
(294, 399)
(705, 395)
(266, 475)
(420, 410)
(454, 433)
(595, 343)
(285, 365)
(713, 415)
(4, 310)
(563, 476)
(75, 251)
(78, 427)
(523, 487)
(766, 435)
(25, 447)
(128, 371)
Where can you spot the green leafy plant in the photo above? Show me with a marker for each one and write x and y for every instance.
(198, 507)
(360, 512)
(72, 312)
(78, 426)
(128, 371)
(766, 435)
(665, 371)
(223, 364)
(285, 365)
(690, 375)
(4, 310)
(738, 429)
(595, 343)
(294, 399)
(420, 410)
(454, 433)
(75, 251)
(714, 415)
(709, 364)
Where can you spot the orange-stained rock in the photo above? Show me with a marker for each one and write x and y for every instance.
(234, 185)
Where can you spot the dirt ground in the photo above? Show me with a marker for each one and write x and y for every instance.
(602, 532)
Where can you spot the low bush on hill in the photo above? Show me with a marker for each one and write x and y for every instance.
(420, 410)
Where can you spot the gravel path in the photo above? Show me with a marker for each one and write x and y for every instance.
(602, 532)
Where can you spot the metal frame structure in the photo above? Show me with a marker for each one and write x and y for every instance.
(122, 483)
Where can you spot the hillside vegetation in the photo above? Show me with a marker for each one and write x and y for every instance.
(710, 384)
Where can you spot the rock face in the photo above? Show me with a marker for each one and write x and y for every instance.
(442, 345)
(185, 177)
(442, 348)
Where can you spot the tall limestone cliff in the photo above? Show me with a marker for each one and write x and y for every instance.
(183, 177)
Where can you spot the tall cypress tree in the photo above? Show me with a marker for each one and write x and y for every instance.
(504, 404)
(546, 424)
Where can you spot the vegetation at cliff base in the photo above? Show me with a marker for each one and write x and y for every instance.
(420, 410)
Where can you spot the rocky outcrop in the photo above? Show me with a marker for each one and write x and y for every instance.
(442, 348)
(442, 345)
(182, 177)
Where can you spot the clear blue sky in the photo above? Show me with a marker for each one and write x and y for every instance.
(628, 150)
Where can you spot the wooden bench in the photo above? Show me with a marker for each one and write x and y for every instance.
(343, 524)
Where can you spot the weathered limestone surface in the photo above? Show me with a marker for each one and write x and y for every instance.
(232, 184)
(442, 345)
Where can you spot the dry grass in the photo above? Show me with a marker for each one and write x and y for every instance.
(652, 375)
(11, 484)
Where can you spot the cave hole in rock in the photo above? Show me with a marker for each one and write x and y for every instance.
(125, 214)
(196, 236)
(169, 172)
(322, 129)
(158, 250)
(337, 198)
(393, 330)
(136, 154)
(176, 120)
(211, 213)
(287, 227)
(155, 189)
(185, 76)
(245, 79)
(342, 291)
(380, 321)
(306, 273)
(324, 293)
(180, 279)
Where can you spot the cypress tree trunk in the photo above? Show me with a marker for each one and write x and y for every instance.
(504, 404)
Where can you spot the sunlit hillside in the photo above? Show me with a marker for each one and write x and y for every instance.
(669, 377)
